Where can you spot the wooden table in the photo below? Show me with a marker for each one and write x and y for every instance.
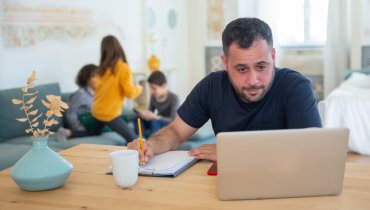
(89, 188)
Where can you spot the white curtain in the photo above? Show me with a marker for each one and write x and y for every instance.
(337, 48)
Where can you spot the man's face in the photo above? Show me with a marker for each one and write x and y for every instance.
(158, 91)
(251, 70)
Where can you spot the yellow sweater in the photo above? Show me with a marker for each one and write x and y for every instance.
(111, 89)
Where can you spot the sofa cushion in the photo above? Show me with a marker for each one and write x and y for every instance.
(10, 127)
(109, 138)
(10, 154)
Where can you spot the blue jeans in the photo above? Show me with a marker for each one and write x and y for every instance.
(149, 127)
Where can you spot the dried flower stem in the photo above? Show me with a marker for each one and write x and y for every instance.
(25, 111)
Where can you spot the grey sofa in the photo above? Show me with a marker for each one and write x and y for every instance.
(14, 142)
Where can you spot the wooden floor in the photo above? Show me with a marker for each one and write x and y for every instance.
(353, 157)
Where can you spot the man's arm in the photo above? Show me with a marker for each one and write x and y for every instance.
(166, 139)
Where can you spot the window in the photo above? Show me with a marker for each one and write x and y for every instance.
(302, 22)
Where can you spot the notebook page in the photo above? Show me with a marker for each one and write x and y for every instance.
(168, 162)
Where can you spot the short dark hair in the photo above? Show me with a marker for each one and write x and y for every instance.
(157, 78)
(244, 31)
(85, 74)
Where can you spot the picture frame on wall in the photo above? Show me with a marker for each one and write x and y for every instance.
(365, 56)
(213, 59)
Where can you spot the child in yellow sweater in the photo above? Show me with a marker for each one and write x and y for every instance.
(114, 82)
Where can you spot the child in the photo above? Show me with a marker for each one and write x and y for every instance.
(81, 102)
(114, 82)
(163, 105)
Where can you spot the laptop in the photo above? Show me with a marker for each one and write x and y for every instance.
(281, 163)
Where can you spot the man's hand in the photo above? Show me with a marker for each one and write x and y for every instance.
(148, 152)
(206, 151)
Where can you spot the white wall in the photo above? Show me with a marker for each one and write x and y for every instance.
(58, 60)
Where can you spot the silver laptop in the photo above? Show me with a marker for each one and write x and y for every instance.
(281, 163)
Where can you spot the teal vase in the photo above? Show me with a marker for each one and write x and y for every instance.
(41, 168)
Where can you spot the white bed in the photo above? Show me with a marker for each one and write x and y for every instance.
(349, 106)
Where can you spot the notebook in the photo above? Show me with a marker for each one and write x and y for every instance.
(168, 164)
(281, 163)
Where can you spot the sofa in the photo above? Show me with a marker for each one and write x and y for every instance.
(14, 142)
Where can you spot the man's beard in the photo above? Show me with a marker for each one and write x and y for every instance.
(250, 99)
(245, 97)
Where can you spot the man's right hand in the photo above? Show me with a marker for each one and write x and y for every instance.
(148, 151)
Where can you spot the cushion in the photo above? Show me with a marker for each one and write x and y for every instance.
(10, 154)
(10, 127)
(359, 80)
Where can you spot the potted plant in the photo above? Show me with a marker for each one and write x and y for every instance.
(40, 168)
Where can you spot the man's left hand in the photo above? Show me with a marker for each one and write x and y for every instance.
(206, 152)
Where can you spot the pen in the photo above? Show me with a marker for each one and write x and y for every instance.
(141, 140)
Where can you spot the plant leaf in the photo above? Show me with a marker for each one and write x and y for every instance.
(22, 119)
(45, 103)
(35, 134)
(31, 100)
(35, 124)
(33, 112)
(16, 101)
(52, 98)
(29, 130)
(55, 122)
(31, 79)
(58, 114)
(34, 119)
(48, 123)
(63, 105)
(31, 94)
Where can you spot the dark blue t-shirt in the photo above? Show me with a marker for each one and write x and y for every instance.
(290, 103)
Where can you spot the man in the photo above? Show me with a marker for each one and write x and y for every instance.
(251, 94)
(162, 107)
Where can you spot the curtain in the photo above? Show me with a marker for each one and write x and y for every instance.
(337, 47)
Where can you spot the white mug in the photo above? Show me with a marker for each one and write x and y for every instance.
(125, 167)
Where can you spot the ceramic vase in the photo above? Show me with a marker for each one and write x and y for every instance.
(41, 168)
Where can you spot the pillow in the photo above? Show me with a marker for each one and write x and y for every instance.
(359, 80)
(10, 127)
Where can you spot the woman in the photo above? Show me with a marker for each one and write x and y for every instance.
(114, 82)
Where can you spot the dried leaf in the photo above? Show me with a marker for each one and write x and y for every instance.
(34, 119)
(63, 105)
(22, 107)
(16, 101)
(30, 94)
(35, 124)
(33, 112)
(55, 122)
(48, 123)
(58, 114)
(50, 132)
(31, 79)
(29, 130)
(35, 134)
(22, 119)
(24, 89)
(52, 98)
(49, 113)
(45, 103)
(31, 100)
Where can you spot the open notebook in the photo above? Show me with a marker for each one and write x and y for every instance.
(168, 164)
